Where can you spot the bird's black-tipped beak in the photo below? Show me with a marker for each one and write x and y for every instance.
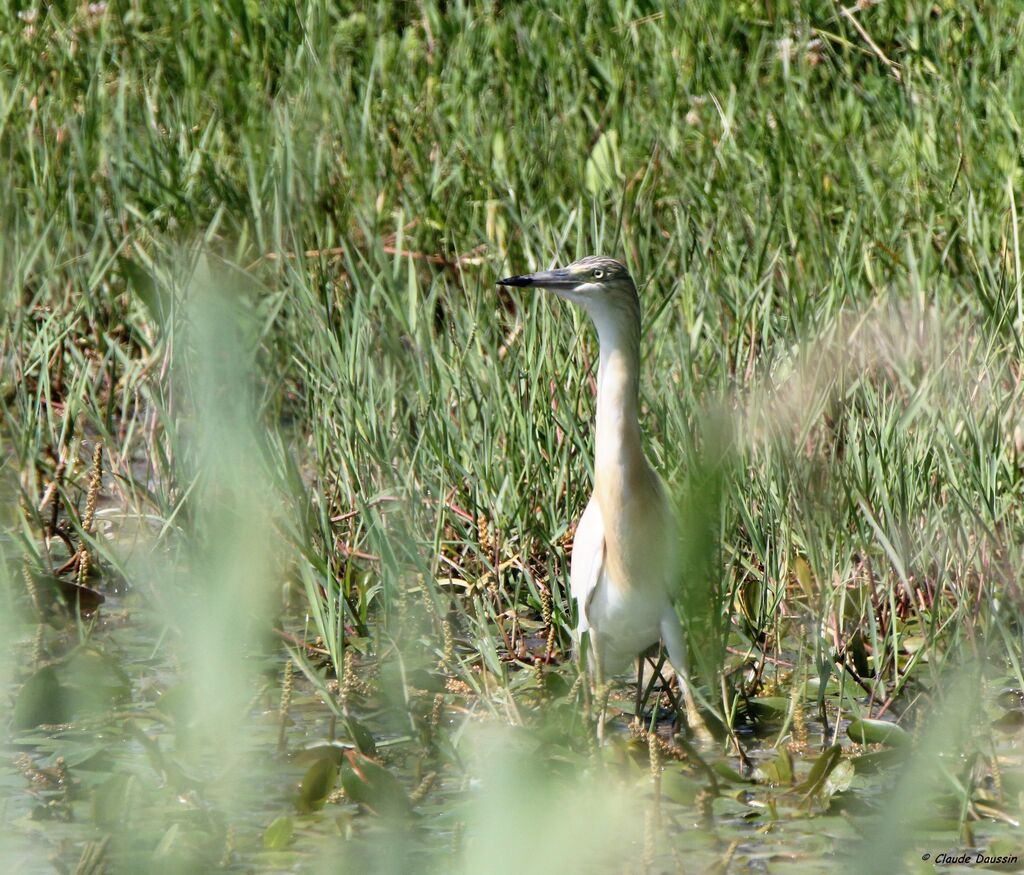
(526, 280)
(557, 279)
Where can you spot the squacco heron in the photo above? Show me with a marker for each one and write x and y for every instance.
(624, 560)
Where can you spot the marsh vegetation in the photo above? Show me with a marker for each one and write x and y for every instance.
(288, 485)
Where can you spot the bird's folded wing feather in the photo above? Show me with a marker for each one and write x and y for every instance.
(587, 561)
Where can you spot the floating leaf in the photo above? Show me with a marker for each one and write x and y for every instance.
(93, 752)
(768, 707)
(317, 784)
(97, 682)
(838, 779)
(680, 788)
(77, 598)
(726, 771)
(864, 731)
(556, 685)
(332, 750)
(111, 800)
(1007, 848)
(279, 834)
(914, 643)
(777, 770)
(370, 784)
(878, 760)
(42, 699)
(1010, 722)
(821, 769)
(177, 703)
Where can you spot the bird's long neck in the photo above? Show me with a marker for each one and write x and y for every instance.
(618, 451)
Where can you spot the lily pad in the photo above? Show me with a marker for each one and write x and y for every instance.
(680, 788)
(864, 731)
(97, 680)
(877, 761)
(768, 707)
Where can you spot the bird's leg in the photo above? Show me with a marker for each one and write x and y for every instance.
(600, 693)
(665, 683)
(583, 655)
(672, 635)
(639, 703)
(642, 698)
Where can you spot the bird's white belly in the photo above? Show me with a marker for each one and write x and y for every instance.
(626, 622)
(625, 616)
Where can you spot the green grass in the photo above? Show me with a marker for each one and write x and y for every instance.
(252, 249)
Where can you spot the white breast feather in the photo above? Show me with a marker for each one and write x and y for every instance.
(587, 561)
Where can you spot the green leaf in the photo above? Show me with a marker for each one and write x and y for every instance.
(680, 788)
(602, 171)
(555, 685)
(864, 731)
(804, 577)
(279, 834)
(858, 650)
(768, 707)
(724, 770)
(177, 703)
(86, 682)
(1010, 699)
(361, 737)
(97, 682)
(777, 770)
(317, 784)
(1010, 722)
(42, 699)
(111, 800)
(498, 165)
(839, 778)
(140, 281)
(876, 761)
(821, 769)
(373, 786)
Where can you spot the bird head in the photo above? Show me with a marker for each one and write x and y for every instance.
(596, 283)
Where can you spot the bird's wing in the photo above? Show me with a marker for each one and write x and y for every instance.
(587, 561)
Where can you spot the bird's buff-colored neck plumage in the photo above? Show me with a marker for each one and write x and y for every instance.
(618, 450)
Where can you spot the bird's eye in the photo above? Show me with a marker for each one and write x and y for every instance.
(598, 274)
